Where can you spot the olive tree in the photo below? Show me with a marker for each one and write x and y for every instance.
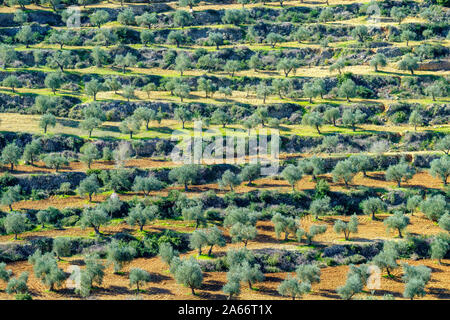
(378, 60)
(415, 119)
(441, 168)
(229, 179)
(166, 252)
(352, 117)
(89, 153)
(120, 254)
(185, 175)
(61, 247)
(46, 269)
(138, 277)
(140, 215)
(98, 18)
(346, 227)
(314, 230)
(197, 240)
(293, 288)
(189, 273)
(130, 125)
(250, 172)
(12, 82)
(147, 184)
(344, 171)
(94, 218)
(409, 62)
(312, 166)
(55, 161)
(313, 119)
(386, 259)
(400, 172)
(292, 174)
(214, 237)
(320, 207)
(439, 248)
(308, 273)
(242, 233)
(47, 120)
(284, 224)
(89, 186)
(397, 221)
(444, 222)
(15, 222)
(434, 207)
(5, 274)
(372, 205)
(347, 89)
(31, 152)
(196, 214)
(444, 144)
(11, 154)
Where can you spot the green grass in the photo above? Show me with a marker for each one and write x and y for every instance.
(204, 257)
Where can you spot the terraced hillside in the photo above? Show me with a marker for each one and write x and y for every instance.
(96, 97)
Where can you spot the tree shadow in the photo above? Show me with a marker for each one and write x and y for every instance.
(158, 290)
(68, 123)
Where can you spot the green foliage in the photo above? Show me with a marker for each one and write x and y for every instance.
(434, 207)
(292, 174)
(344, 171)
(441, 168)
(346, 227)
(293, 288)
(11, 154)
(320, 207)
(397, 221)
(185, 175)
(15, 223)
(189, 273)
(18, 285)
(119, 254)
(89, 186)
(284, 224)
(309, 273)
(229, 179)
(5, 274)
(94, 218)
(138, 277)
(46, 269)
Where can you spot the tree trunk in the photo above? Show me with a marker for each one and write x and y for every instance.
(192, 291)
(210, 250)
(185, 187)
